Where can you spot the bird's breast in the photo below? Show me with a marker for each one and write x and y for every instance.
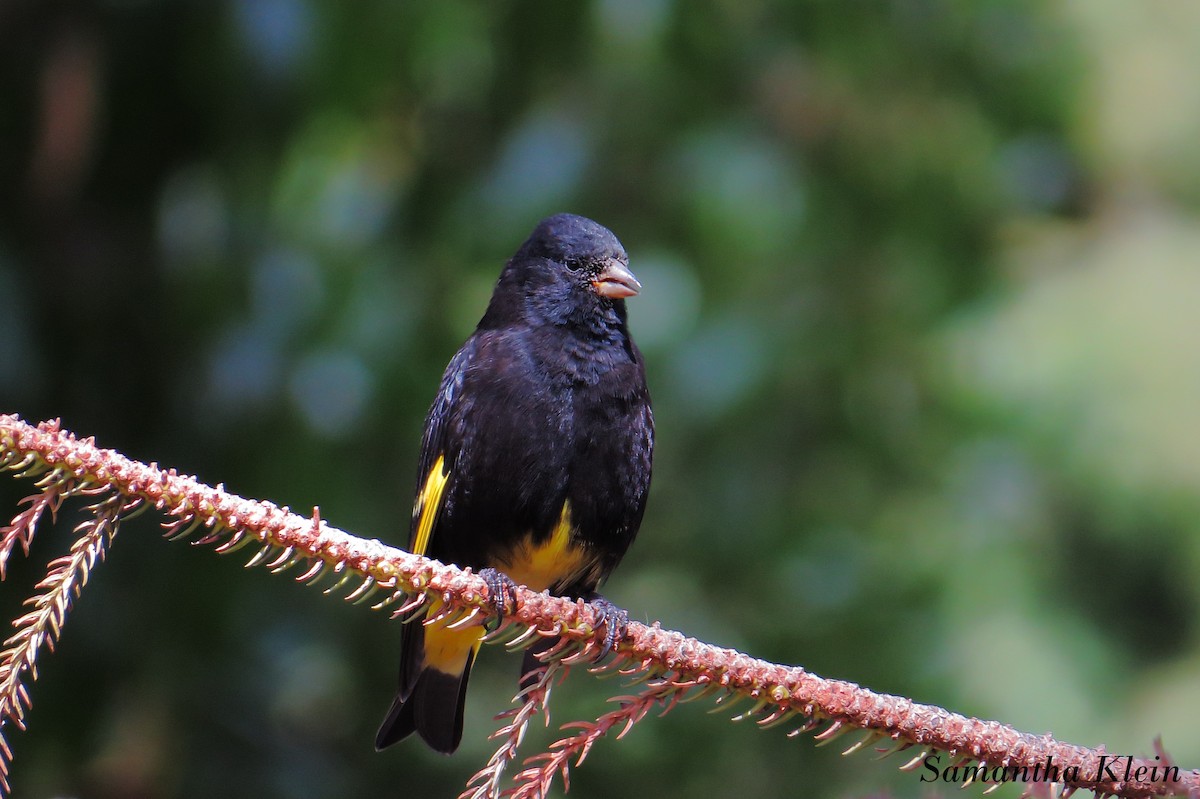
(580, 357)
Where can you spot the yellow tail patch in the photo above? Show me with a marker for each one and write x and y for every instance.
(448, 650)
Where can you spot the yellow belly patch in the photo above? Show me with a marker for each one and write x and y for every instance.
(557, 560)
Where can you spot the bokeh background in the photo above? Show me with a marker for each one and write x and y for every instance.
(920, 317)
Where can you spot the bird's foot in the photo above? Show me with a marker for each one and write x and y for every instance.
(616, 622)
(502, 591)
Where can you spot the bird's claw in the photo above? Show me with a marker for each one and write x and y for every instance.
(502, 591)
(616, 622)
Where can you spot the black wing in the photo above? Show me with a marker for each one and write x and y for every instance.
(436, 445)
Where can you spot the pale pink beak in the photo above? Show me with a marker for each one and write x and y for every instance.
(616, 282)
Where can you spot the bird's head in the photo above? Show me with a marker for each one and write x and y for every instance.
(585, 249)
(569, 268)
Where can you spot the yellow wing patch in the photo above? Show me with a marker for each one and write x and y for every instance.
(558, 560)
(428, 504)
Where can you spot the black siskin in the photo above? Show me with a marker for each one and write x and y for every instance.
(535, 461)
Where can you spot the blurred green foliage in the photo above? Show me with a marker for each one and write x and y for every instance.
(919, 317)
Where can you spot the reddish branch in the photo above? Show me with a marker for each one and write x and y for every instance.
(674, 662)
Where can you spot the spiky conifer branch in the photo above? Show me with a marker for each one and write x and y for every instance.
(42, 625)
(533, 700)
(673, 666)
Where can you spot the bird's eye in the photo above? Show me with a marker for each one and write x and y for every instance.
(573, 264)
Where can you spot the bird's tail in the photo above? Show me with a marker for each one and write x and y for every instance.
(434, 667)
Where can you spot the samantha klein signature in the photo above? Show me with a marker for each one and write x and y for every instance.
(1111, 768)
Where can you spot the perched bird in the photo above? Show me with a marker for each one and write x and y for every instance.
(536, 457)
